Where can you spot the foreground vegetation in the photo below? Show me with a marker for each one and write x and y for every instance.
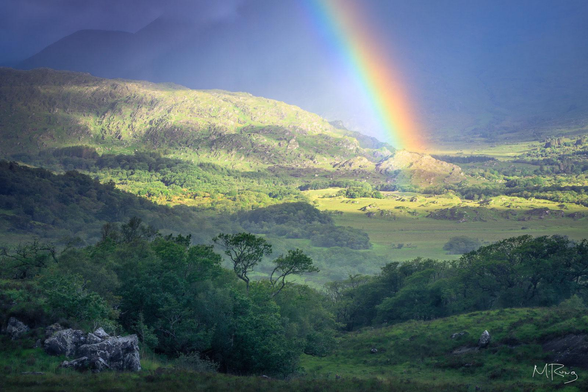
(412, 356)
(190, 313)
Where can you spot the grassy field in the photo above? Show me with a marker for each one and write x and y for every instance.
(407, 222)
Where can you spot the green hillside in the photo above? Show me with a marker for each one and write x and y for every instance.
(44, 109)
(424, 353)
(119, 201)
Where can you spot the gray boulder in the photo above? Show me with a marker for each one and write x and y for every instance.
(93, 339)
(95, 364)
(65, 342)
(572, 350)
(95, 351)
(484, 340)
(15, 329)
(101, 333)
(50, 330)
(119, 353)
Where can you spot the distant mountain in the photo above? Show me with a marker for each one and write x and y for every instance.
(96, 51)
(43, 110)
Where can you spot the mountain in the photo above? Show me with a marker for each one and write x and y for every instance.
(96, 52)
(44, 110)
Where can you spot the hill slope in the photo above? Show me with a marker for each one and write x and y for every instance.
(45, 109)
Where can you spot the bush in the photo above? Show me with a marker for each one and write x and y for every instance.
(195, 363)
(461, 244)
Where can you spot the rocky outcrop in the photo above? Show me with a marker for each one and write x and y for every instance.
(65, 342)
(101, 333)
(15, 328)
(571, 350)
(485, 339)
(420, 169)
(50, 330)
(95, 351)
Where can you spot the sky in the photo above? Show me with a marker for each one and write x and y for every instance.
(465, 65)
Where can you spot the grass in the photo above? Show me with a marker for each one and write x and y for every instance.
(412, 356)
(422, 236)
(421, 351)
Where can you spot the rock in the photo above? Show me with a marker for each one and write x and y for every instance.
(15, 329)
(93, 339)
(571, 350)
(95, 351)
(458, 334)
(120, 353)
(101, 333)
(95, 364)
(484, 340)
(50, 330)
(65, 342)
(374, 350)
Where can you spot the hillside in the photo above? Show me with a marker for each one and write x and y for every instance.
(44, 109)
(443, 353)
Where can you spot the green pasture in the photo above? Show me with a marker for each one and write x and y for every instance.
(410, 233)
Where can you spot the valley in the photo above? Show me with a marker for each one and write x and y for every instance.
(113, 192)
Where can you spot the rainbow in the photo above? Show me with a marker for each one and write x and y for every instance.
(350, 34)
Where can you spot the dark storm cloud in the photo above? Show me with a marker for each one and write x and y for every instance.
(27, 26)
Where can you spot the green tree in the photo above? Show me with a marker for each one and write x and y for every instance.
(461, 244)
(245, 251)
(294, 263)
(26, 261)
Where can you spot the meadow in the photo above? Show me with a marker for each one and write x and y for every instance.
(401, 228)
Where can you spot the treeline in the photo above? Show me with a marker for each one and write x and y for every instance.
(355, 189)
(163, 180)
(39, 202)
(464, 159)
(175, 296)
(72, 206)
(302, 220)
(181, 302)
(516, 272)
(527, 188)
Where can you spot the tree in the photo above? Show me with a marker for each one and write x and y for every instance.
(461, 244)
(245, 250)
(27, 260)
(294, 263)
